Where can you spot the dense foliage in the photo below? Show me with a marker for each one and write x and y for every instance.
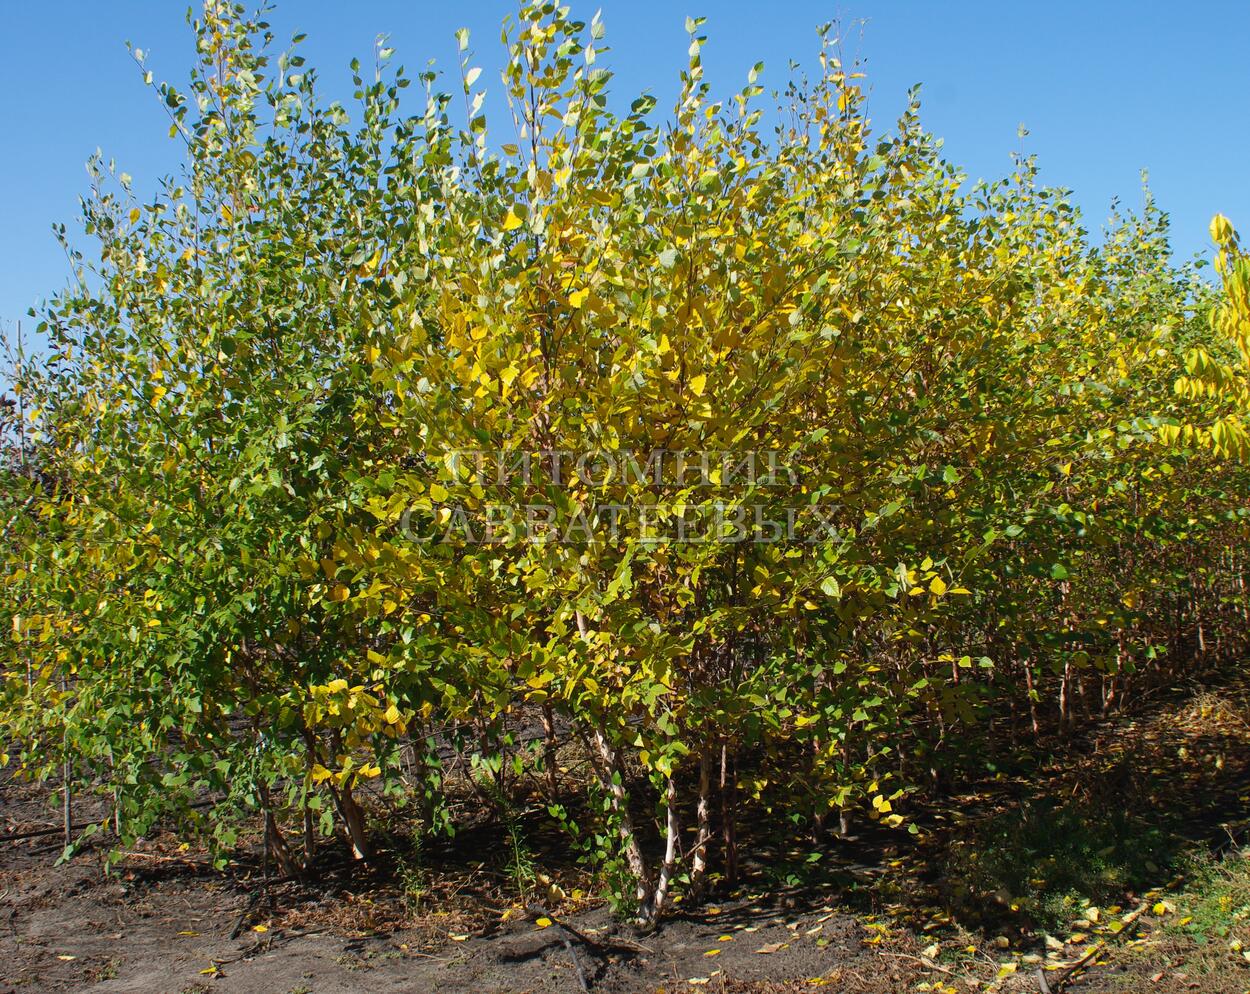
(757, 454)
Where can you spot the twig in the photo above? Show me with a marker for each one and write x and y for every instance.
(36, 833)
(607, 945)
(238, 924)
(190, 863)
(1066, 973)
(927, 964)
(577, 963)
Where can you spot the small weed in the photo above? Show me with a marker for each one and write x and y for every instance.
(1205, 929)
(414, 880)
(521, 870)
(1046, 862)
(106, 972)
(1215, 902)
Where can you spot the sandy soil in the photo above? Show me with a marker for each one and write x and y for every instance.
(155, 931)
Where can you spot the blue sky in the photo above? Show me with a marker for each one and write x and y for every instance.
(1106, 88)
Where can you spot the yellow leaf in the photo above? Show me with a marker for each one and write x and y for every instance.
(543, 923)
(339, 593)
(937, 586)
(260, 928)
(134, 214)
(511, 222)
(438, 492)
(578, 297)
(712, 952)
(698, 384)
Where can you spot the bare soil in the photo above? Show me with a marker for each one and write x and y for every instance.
(159, 926)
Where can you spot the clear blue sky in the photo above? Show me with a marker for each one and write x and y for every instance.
(1106, 87)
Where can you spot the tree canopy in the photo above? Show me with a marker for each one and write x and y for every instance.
(750, 447)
